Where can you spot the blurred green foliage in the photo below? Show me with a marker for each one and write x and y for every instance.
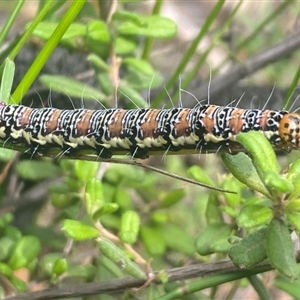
(121, 214)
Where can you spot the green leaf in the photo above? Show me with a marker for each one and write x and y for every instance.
(278, 183)
(6, 154)
(98, 62)
(60, 266)
(220, 232)
(26, 249)
(97, 31)
(200, 175)
(6, 270)
(37, 170)
(7, 245)
(122, 15)
(13, 232)
(124, 46)
(6, 219)
(118, 256)
(172, 198)
(86, 272)
(294, 219)
(241, 167)
(154, 240)
(160, 217)
(130, 224)
(105, 209)
(133, 95)
(230, 211)
(105, 82)
(140, 81)
(123, 198)
(44, 30)
(213, 213)
(294, 170)
(250, 251)
(79, 231)
(285, 284)
(177, 238)
(293, 206)
(61, 201)
(94, 194)
(95, 190)
(232, 184)
(106, 268)
(293, 176)
(47, 262)
(254, 215)
(85, 170)
(18, 284)
(264, 157)
(72, 87)
(140, 65)
(7, 80)
(280, 250)
(295, 181)
(152, 26)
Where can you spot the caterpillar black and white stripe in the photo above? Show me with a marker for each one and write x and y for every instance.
(138, 131)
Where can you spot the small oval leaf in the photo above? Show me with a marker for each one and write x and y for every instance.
(72, 87)
(172, 198)
(85, 170)
(254, 215)
(79, 231)
(110, 250)
(37, 170)
(280, 250)
(26, 249)
(250, 251)
(130, 225)
(153, 239)
(241, 167)
(151, 26)
(220, 232)
(278, 183)
(264, 157)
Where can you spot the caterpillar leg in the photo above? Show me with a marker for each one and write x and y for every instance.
(103, 152)
(137, 152)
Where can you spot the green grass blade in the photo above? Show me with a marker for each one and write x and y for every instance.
(259, 287)
(292, 89)
(211, 281)
(190, 52)
(7, 80)
(149, 41)
(256, 32)
(271, 17)
(30, 29)
(12, 18)
(188, 78)
(47, 50)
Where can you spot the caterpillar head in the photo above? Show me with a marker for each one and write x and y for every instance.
(289, 131)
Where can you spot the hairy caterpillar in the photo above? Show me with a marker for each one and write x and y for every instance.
(138, 131)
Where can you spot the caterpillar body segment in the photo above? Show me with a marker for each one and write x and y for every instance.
(140, 131)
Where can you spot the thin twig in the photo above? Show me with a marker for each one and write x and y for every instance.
(241, 70)
(117, 286)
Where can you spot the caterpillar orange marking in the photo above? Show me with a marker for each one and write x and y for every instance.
(138, 131)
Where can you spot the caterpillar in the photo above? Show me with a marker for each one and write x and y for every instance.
(139, 131)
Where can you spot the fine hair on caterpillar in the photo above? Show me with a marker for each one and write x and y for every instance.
(107, 132)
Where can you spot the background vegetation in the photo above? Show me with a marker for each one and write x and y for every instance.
(97, 230)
